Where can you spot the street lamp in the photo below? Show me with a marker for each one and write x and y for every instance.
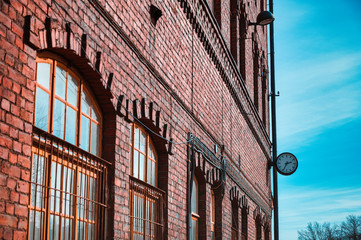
(263, 18)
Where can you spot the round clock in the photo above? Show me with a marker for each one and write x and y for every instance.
(286, 163)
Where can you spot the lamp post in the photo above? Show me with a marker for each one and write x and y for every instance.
(265, 18)
(274, 128)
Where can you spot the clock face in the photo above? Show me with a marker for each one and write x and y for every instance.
(286, 163)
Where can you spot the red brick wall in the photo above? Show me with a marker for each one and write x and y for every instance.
(167, 64)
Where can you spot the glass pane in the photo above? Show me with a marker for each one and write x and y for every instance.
(85, 107)
(68, 183)
(80, 228)
(91, 233)
(59, 113)
(142, 141)
(84, 137)
(136, 137)
(37, 176)
(71, 123)
(43, 74)
(54, 227)
(194, 197)
(140, 214)
(55, 183)
(194, 230)
(154, 177)
(149, 178)
(35, 227)
(92, 191)
(141, 167)
(82, 192)
(42, 109)
(135, 164)
(72, 96)
(94, 148)
(60, 82)
(67, 228)
(95, 114)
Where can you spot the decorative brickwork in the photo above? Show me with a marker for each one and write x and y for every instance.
(183, 71)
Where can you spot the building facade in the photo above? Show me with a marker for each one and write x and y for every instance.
(134, 120)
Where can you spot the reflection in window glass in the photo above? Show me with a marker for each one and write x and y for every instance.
(194, 206)
(59, 113)
(71, 123)
(43, 75)
(72, 91)
(67, 228)
(36, 221)
(84, 140)
(37, 176)
(85, 104)
(55, 184)
(42, 109)
(60, 82)
(94, 149)
(54, 227)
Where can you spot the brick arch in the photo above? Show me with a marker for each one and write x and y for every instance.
(53, 39)
(234, 195)
(68, 41)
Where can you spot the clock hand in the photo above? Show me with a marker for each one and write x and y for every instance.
(286, 165)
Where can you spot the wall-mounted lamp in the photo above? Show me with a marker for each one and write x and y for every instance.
(263, 18)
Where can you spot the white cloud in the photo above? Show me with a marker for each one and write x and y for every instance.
(321, 205)
(317, 95)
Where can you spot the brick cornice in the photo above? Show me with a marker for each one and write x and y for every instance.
(209, 33)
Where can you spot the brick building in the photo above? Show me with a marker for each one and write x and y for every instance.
(134, 120)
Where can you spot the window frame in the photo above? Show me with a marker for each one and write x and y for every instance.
(56, 153)
(213, 214)
(56, 61)
(148, 145)
(195, 215)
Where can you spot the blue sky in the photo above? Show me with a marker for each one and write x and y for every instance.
(318, 74)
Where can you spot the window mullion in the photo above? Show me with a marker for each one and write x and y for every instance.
(52, 95)
(78, 130)
(146, 159)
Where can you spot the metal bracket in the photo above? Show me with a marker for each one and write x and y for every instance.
(269, 164)
(272, 94)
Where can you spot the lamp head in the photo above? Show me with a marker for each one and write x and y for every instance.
(264, 18)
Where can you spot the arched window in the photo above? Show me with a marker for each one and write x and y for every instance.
(144, 159)
(68, 177)
(258, 228)
(195, 210)
(65, 107)
(146, 199)
(244, 222)
(234, 220)
(213, 214)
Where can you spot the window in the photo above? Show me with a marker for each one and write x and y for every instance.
(234, 220)
(255, 73)
(195, 210)
(68, 179)
(146, 199)
(266, 232)
(244, 222)
(258, 228)
(234, 39)
(213, 214)
(65, 107)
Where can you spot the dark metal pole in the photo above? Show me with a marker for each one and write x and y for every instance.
(274, 130)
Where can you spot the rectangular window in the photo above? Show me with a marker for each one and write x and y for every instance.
(67, 191)
(146, 210)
